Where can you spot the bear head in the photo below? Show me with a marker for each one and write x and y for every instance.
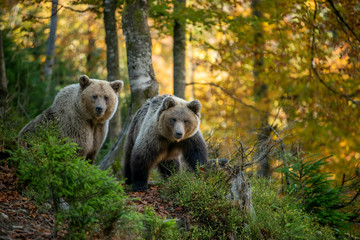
(178, 119)
(99, 98)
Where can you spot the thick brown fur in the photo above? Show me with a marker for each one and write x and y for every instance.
(82, 111)
(163, 131)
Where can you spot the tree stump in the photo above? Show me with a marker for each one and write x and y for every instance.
(241, 192)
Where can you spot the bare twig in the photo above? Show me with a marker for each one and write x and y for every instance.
(262, 157)
(337, 13)
(92, 8)
(231, 96)
(65, 7)
(350, 202)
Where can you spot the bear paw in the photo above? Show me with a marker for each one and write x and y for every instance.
(140, 187)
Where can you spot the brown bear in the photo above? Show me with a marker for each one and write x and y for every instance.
(163, 131)
(82, 112)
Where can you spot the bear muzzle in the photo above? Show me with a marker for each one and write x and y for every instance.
(178, 135)
(99, 110)
(178, 132)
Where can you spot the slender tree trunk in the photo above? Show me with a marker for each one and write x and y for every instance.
(90, 56)
(112, 59)
(143, 84)
(50, 49)
(260, 88)
(191, 70)
(3, 79)
(179, 47)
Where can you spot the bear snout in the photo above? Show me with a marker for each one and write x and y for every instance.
(178, 135)
(98, 110)
(178, 130)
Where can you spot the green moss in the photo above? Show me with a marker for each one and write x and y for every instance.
(116, 166)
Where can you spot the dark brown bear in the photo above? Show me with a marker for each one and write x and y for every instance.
(163, 131)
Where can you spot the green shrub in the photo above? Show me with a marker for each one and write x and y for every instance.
(214, 216)
(158, 228)
(279, 217)
(52, 169)
(205, 197)
(314, 189)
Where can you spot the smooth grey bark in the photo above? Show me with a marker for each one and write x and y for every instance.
(179, 47)
(50, 49)
(260, 88)
(143, 84)
(3, 79)
(112, 60)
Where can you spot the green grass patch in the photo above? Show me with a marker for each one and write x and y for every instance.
(206, 197)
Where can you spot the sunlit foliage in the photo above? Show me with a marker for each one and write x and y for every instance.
(311, 65)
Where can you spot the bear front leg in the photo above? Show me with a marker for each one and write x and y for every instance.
(140, 169)
(195, 151)
(91, 157)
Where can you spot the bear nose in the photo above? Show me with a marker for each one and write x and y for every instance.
(98, 110)
(178, 135)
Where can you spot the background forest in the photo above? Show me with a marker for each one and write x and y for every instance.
(281, 76)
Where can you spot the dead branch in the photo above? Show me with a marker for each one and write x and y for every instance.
(231, 96)
(337, 13)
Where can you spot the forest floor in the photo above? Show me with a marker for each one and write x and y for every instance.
(21, 219)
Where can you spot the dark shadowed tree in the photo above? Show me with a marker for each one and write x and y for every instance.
(143, 84)
(260, 89)
(112, 59)
(50, 49)
(91, 58)
(179, 46)
(3, 79)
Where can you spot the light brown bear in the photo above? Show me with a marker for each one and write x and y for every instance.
(163, 131)
(82, 112)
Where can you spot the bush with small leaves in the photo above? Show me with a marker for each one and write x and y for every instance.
(84, 198)
(279, 217)
(204, 196)
(214, 216)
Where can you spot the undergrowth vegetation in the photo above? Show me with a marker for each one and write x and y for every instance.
(314, 189)
(85, 200)
(88, 202)
(214, 216)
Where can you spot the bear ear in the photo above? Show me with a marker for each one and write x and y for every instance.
(84, 81)
(195, 106)
(117, 85)
(167, 103)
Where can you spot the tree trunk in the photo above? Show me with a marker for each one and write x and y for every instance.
(179, 50)
(112, 60)
(143, 84)
(90, 51)
(260, 88)
(50, 49)
(3, 80)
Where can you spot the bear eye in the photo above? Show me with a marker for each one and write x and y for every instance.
(173, 120)
(186, 121)
(94, 97)
(106, 98)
